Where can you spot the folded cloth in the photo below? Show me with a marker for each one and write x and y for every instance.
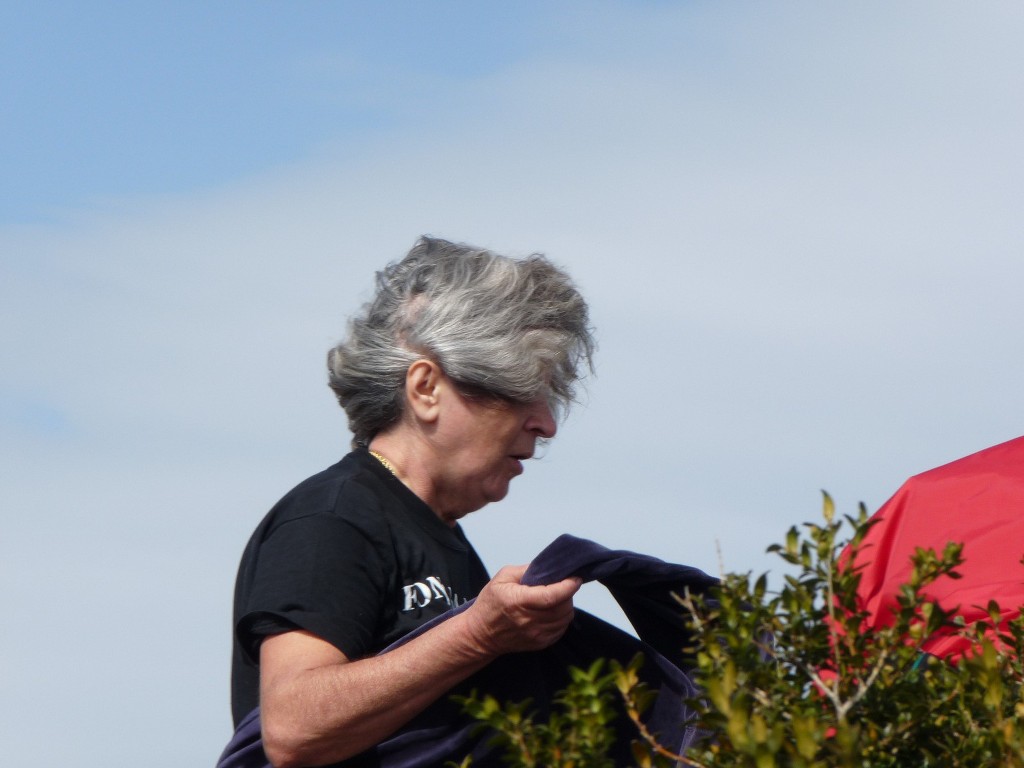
(645, 588)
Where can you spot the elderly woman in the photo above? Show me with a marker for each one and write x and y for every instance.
(449, 377)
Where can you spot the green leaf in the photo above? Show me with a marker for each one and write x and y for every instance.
(829, 507)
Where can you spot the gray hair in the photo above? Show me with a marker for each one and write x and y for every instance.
(515, 329)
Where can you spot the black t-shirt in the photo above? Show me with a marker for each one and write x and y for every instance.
(352, 556)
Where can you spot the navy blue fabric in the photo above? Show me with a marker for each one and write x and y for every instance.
(642, 585)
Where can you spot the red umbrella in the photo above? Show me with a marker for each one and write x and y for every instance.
(977, 501)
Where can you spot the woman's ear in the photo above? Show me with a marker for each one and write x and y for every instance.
(423, 384)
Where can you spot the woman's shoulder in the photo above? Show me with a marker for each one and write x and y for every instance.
(346, 493)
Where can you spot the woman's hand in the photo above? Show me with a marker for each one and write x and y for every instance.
(508, 617)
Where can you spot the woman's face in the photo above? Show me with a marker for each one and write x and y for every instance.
(485, 443)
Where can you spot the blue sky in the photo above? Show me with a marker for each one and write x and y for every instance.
(142, 99)
(797, 224)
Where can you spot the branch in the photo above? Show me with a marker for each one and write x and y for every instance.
(652, 742)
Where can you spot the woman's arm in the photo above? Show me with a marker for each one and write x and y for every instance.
(318, 707)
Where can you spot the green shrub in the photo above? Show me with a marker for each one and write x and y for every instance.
(578, 733)
(791, 678)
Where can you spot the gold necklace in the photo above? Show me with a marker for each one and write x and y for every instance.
(387, 464)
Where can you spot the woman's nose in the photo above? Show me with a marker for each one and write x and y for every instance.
(541, 419)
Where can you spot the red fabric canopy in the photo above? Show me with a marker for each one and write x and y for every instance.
(977, 500)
